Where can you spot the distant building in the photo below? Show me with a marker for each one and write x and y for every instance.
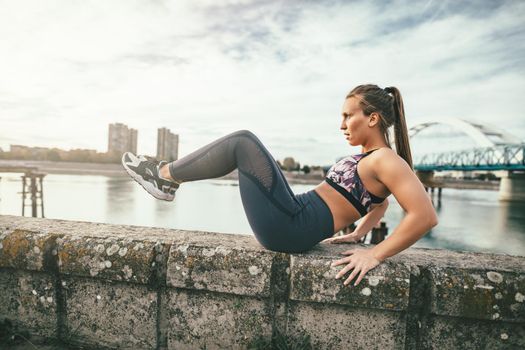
(167, 145)
(122, 139)
(29, 151)
(18, 148)
(132, 140)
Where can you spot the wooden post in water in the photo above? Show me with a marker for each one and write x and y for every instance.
(36, 189)
(23, 194)
(33, 196)
(379, 233)
(40, 180)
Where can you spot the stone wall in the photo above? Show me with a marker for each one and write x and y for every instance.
(111, 286)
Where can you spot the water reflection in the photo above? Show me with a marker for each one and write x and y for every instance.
(511, 221)
(476, 220)
(119, 193)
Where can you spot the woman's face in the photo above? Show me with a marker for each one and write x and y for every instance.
(354, 123)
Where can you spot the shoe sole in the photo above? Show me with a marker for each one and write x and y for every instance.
(148, 186)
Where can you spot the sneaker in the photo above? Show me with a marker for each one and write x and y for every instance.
(147, 173)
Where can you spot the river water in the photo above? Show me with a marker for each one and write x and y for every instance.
(470, 220)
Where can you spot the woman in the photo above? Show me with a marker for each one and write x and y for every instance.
(355, 187)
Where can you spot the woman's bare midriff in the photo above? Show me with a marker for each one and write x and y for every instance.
(343, 212)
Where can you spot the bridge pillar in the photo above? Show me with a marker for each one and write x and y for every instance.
(512, 187)
(426, 178)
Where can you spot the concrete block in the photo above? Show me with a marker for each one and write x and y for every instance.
(343, 327)
(223, 264)
(110, 258)
(465, 334)
(313, 280)
(207, 320)
(427, 258)
(28, 299)
(27, 250)
(480, 294)
(111, 314)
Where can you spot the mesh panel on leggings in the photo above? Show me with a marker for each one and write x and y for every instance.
(253, 161)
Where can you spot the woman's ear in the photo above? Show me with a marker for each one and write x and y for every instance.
(373, 119)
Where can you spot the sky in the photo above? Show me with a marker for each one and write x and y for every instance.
(278, 68)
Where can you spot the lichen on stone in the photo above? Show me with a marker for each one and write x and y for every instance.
(112, 250)
(366, 291)
(495, 277)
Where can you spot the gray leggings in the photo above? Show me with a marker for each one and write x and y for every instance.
(280, 220)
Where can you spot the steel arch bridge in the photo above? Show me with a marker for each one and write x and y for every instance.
(496, 149)
(483, 135)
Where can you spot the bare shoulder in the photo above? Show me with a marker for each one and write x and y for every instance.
(386, 157)
(387, 163)
(399, 178)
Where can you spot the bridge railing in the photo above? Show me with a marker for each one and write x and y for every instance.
(504, 157)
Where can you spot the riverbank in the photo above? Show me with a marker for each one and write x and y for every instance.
(104, 169)
(464, 184)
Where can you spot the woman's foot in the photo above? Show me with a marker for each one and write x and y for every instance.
(147, 174)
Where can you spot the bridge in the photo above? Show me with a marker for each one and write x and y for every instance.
(496, 150)
(502, 157)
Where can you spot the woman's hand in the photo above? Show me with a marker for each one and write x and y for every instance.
(349, 238)
(360, 260)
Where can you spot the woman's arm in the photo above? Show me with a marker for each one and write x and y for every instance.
(363, 227)
(371, 219)
(409, 192)
(413, 226)
(420, 216)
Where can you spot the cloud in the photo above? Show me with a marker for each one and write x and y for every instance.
(204, 68)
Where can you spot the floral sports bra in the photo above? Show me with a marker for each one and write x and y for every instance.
(343, 177)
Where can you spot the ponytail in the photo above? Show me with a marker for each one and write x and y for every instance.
(400, 126)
